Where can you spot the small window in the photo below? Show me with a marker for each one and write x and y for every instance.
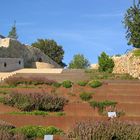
(19, 62)
(5, 64)
(40, 59)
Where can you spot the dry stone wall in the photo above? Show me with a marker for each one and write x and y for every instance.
(127, 63)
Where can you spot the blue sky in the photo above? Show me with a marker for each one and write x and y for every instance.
(80, 26)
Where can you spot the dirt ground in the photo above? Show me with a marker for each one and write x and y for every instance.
(127, 96)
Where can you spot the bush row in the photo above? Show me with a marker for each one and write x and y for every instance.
(10, 132)
(86, 96)
(35, 101)
(102, 105)
(37, 131)
(15, 81)
(111, 130)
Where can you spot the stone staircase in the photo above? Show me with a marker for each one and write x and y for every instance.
(5, 75)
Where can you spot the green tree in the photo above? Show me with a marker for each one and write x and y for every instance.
(132, 25)
(79, 62)
(13, 32)
(52, 49)
(106, 63)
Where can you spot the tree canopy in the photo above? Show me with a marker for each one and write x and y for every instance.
(52, 49)
(106, 63)
(79, 62)
(13, 32)
(132, 25)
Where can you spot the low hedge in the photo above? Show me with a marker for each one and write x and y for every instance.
(109, 130)
(15, 81)
(94, 83)
(37, 131)
(35, 101)
(85, 96)
(67, 84)
(102, 105)
(82, 83)
(57, 85)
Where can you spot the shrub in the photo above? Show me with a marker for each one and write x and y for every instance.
(94, 83)
(86, 96)
(106, 64)
(14, 81)
(60, 114)
(36, 112)
(111, 130)
(37, 131)
(35, 101)
(5, 126)
(6, 135)
(67, 84)
(82, 83)
(102, 105)
(57, 85)
(79, 62)
(4, 92)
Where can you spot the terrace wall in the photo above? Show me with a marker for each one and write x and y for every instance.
(127, 63)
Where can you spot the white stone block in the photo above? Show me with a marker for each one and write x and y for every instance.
(112, 114)
(48, 137)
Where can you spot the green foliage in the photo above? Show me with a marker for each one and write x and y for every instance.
(132, 25)
(95, 74)
(79, 62)
(36, 112)
(106, 64)
(82, 83)
(56, 84)
(60, 114)
(37, 131)
(136, 52)
(4, 92)
(67, 84)
(35, 101)
(102, 105)
(85, 96)
(52, 49)
(13, 33)
(94, 83)
(107, 130)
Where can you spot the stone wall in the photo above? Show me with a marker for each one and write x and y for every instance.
(29, 54)
(10, 64)
(127, 63)
(42, 65)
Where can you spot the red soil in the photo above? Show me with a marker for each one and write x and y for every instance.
(127, 96)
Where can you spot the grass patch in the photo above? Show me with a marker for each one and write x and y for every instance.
(102, 105)
(96, 75)
(4, 92)
(60, 114)
(37, 131)
(94, 83)
(37, 112)
(67, 84)
(57, 85)
(82, 83)
(85, 96)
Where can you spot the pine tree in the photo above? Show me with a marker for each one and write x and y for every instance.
(13, 32)
(132, 24)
